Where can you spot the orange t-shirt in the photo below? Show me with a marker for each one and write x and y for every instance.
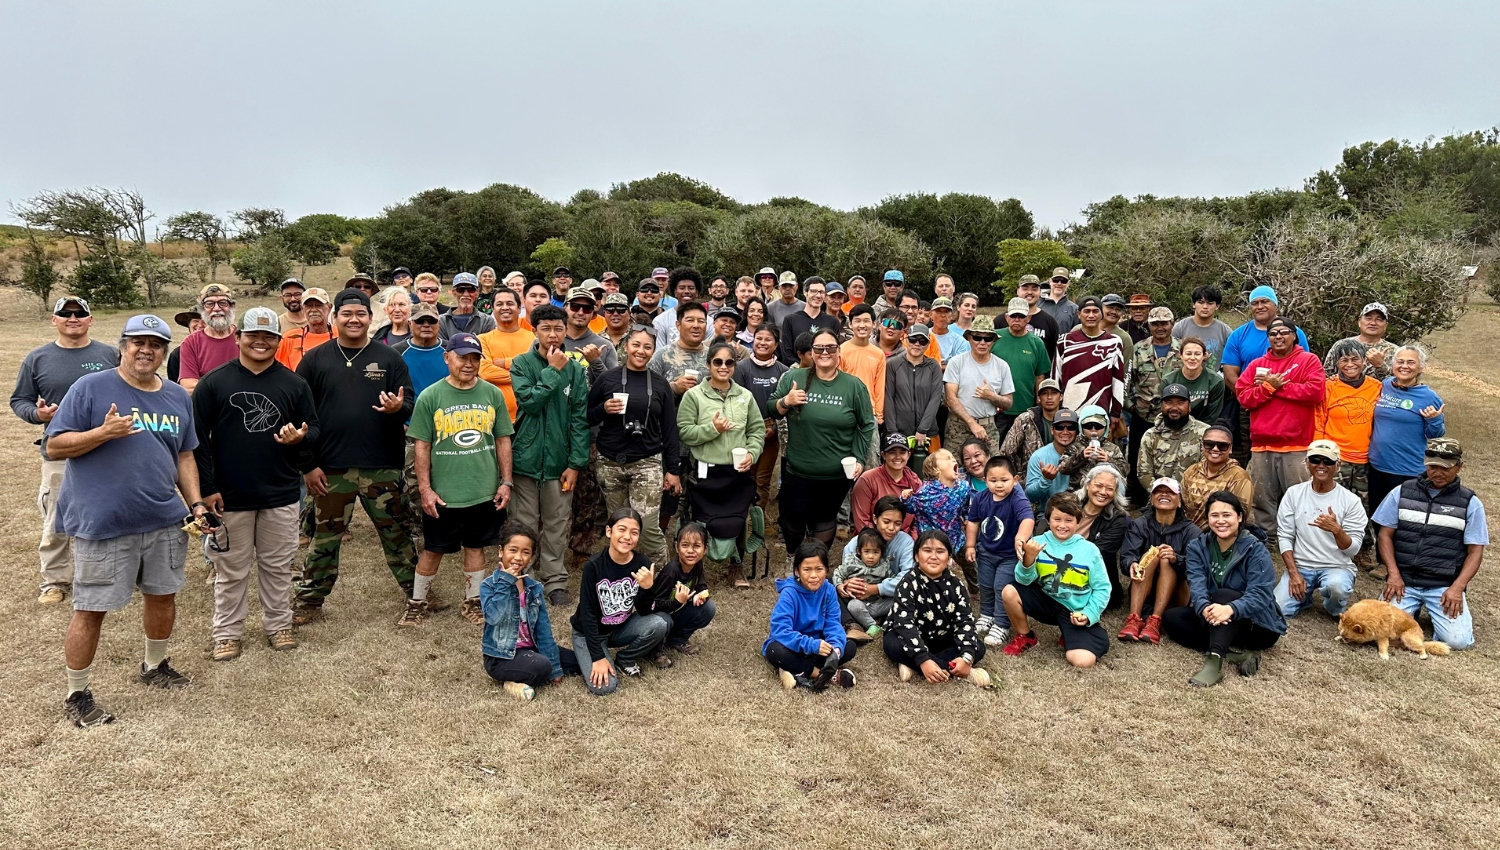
(298, 342)
(867, 363)
(1345, 416)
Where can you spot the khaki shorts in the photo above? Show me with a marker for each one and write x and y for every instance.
(107, 572)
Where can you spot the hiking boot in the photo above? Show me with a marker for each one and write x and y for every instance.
(857, 634)
(559, 598)
(997, 636)
(979, 677)
(844, 678)
(1132, 628)
(211, 575)
(471, 611)
(685, 648)
(519, 690)
(1365, 560)
(663, 661)
(282, 640)
(1152, 630)
(415, 613)
(734, 573)
(303, 615)
(1210, 674)
(163, 676)
(983, 624)
(84, 712)
(788, 681)
(435, 603)
(227, 649)
(53, 594)
(1019, 644)
(1245, 661)
(904, 673)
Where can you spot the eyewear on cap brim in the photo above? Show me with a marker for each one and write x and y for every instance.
(1443, 455)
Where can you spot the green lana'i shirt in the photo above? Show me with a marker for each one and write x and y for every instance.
(462, 426)
(1027, 357)
(838, 421)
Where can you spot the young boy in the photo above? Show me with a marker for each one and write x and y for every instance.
(873, 588)
(997, 525)
(1060, 581)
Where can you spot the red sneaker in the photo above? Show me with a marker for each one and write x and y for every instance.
(1019, 644)
(1132, 628)
(1152, 630)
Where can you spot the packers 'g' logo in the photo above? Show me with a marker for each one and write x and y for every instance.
(468, 438)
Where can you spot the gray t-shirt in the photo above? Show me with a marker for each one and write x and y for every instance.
(50, 371)
(967, 374)
(1213, 338)
(776, 311)
(608, 358)
(1314, 548)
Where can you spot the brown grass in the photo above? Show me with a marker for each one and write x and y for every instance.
(365, 737)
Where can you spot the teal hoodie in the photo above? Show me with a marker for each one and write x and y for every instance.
(1071, 572)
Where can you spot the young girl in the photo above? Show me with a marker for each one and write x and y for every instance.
(862, 566)
(612, 611)
(681, 593)
(519, 650)
(1061, 581)
(943, 499)
(807, 643)
(931, 625)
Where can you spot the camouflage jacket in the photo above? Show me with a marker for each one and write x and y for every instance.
(1143, 386)
(1198, 485)
(1379, 373)
(672, 361)
(1167, 452)
(1074, 464)
(1028, 433)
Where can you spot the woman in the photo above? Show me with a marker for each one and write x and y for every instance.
(807, 646)
(931, 627)
(973, 456)
(397, 325)
(721, 426)
(1205, 386)
(1167, 529)
(484, 302)
(1407, 415)
(1232, 613)
(830, 427)
(1347, 415)
(519, 650)
(1217, 470)
(637, 439)
(754, 312)
(1105, 518)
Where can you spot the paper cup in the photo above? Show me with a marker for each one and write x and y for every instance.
(623, 398)
(691, 373)
(849, 464)
(739, 456)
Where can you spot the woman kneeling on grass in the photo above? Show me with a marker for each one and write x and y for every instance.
(1232, 614)
(1060, 581)
(519, 650)
(931, 625)
(612, 610)
(866, 589)
(807, 644)
(681, 593)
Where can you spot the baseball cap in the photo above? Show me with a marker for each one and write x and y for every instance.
(463, 343)
(1169, 483)
(981, 325)
(1139, 299)
(1015, 307)
(894, 275)
(1323, 448)
(1376, 307)
(660, 271)
(895, 440)
(942, 302)
(465, 279)
(578, 293)
(1093, 413)
(349, 296)
(186, 317)
(616, 299)
(399, 271)
(1048, 384)
(1090, 300)
(562, 271)
(1112, 300)
(918, 331)
(726, 310)
(648, 284)
(318, 294)
(593, 286)
(607, 276)
(292, 281)
(61, 304)
(260, 319)
(359, 277)
(1175, 391)
(215, 289)
(1445, 452)
(1159, 314)
(833, 286)
(145, 324)
(1030, 280)
(766, 271)
(787, 277)
(1062, 271)
(1064, 415)
(422, 308)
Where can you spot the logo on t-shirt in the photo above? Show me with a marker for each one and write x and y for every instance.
(616, 600)
(93, 367)
(373, 372)
(465, 424)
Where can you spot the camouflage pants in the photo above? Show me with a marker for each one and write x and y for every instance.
(1355, 477)
(637, 485)
(411, 497)
(379, 490)
(958, 433)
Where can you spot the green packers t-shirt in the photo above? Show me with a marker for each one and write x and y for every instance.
(462, 426)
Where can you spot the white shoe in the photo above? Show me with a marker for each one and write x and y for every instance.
(997, 637)
(980, 677)
(983, 624)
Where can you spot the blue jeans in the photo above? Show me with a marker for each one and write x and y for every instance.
(638, 636)
(688, 620)
(996, 570)
(1337, 585)
(1457, 632)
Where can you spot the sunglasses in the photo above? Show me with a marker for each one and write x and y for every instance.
(1060, 280)
(894, 324)
(1216, 445)
(71, 314)
(425, 320)
(1444, 455)
(981, 338)
(580, 307)
(719, 361)
(614, 311)
(825, 349)
(427, 290)
(1065, 427)
(1322, 461)
(457, 289)
(1093, 426)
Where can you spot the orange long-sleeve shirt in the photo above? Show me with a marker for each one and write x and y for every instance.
(507, 344)
(298, 342)
(867, 363)
(1346, 416)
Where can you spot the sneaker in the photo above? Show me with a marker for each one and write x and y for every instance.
(1019, 644)
(520, 690)
(415, 613)
(874, 631)
(904, 673)
(163, 676)
(979, 677)
(303, 615)
(282, 640)
(471, 611)
(663, 660)
(982, 625)
(1151, 632)
(997, 636)
(227, 650)
(1132, 628)
(685, 648)
(84, 712)
(633, 670)
(844, 678)
(857, 634)
(559, 598)
(435, 603)
(53, 594)
(788, 681)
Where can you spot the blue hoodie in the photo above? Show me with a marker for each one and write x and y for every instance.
(803, 617)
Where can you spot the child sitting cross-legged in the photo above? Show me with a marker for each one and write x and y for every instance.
(519, 650)
(807, 644)
(1060, 581)
(931, 627)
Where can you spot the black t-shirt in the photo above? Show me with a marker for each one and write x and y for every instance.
(346, 385)
(1044, 326)
(237, 414)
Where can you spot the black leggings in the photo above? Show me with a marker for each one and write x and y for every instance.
(943, 651)
(802, 663)
(809, 508)
(529, 667)
(1187, 627)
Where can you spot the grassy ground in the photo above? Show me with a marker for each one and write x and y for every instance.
(366, 737)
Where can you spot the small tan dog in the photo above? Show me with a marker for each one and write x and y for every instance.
(1381, 622)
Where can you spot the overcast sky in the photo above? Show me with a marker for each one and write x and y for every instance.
(351, 106)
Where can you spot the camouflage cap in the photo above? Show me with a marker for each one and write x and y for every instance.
(942, 302)
(981, 325)
(1030, 280)
(616, 299)
(1160, 314)
(1445, 452)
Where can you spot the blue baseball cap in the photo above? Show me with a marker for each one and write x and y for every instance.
(895, 275)
(146, 324)
(833, 286)
(465, 279)
(463, 343)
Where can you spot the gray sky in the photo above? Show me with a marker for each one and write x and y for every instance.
(351, 106)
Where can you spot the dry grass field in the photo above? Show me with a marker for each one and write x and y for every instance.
(369, 738)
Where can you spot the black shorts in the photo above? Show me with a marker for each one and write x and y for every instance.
(474, 527)
(1044, 609)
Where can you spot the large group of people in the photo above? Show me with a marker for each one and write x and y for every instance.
(1046, 468)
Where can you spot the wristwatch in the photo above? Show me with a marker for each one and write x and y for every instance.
(507, 484)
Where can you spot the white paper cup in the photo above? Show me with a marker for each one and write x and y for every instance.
(691, 373)
(623, 398)
(739, 456)
(849, 464)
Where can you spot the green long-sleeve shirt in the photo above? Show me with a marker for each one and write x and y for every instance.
(838, 421)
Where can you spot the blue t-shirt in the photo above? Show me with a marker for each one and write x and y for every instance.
(128, 485)
(1476, 529)
(1248, 342)
(998, 520)
(426, 365)
(1398, 439)
(952, 343)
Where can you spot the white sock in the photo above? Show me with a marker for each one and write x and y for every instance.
(78, 680)
(419, 587)
(472, 582)
(156, 653)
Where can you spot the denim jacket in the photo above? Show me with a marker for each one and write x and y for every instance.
(497, 595)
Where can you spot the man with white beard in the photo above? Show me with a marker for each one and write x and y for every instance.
(215, 345)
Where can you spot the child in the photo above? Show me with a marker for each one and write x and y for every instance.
(862, 566)
(998, 524)
(932, 626)
(807, 643)
(876, 586)
(519, 650)
(1060, 581)
(612, 611)
(681, 593)
(942, 501)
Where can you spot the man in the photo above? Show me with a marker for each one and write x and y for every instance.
(464, 317)
(364, 283)
(592, 351)
(942, 286)
(401, 277)
(685, 362)
(1026, 355)
(1114, 308)
(296, 342)
(46, 374)
(718, 293)
(1245, 343)
(864, 359)
(856, 291)
(786, 302)
(291, 299)
(252, 417)
(1151, 360)
(834, 297)
(1216, 470)
(503, 344)
(551, 445)
(1380, 352)
(429, 289)
(1032, 427)
(908, 303)
(1057, 304)
(215, 345)
(1319, 526)
(648, 296)
(892, 283)
(914, 394)
(1043, 478)
(977, 386)
(812, 318)
(1038, 322)
(128, 438)
(683, 284)
(726, 325)
(611, 283)
(616, 312)
(562, 282)
(364, 396)
(1205, 325)
(891, 332)
(968, 308)
(192, 319)
(1281, 389)
(1138, 325)
(1432, 537)
(1090, 364)
(950, 337)
(892, 477)
(423, 353)
(463, 464)
(1173, 443)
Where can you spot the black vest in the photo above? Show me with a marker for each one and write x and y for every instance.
(1429, 539)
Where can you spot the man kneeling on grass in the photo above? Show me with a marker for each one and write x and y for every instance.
(931, 624)
(1061, 581)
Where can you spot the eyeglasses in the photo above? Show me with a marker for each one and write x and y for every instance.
(1279, 332)
(719, 361)
(825, 349)
(614, 311)
(71, 314)
(985, 338)
(1216, 445)
(1322, 461)
(427, 290)
(894, 324)
(218, 302)
(1066, 426)
(580, 307)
